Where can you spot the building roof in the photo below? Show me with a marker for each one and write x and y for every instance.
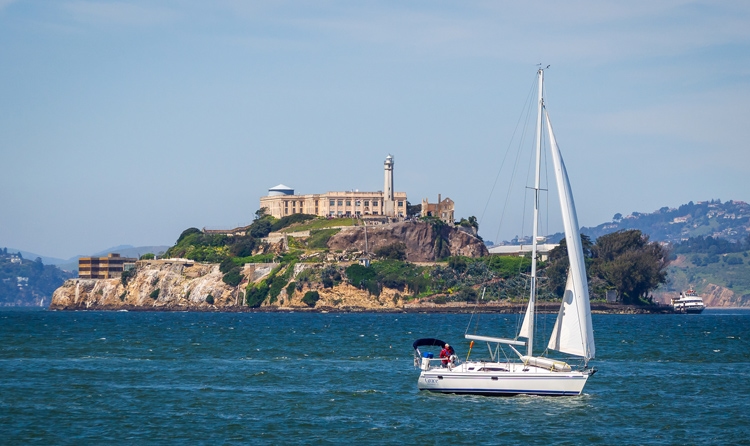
(280, 187)
(519, 249)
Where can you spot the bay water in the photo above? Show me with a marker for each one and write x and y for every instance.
(304, 378)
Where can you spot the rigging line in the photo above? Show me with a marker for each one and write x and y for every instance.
(515, 165)
(510, 143)
(475, 312)
(515, 169)
(547, 183)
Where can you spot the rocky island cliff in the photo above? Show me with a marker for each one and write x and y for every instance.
(178, 284)
(182, 284)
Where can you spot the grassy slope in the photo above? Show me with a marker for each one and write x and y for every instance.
(321, 224)
(683, 273)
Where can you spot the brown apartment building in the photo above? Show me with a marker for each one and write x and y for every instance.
(108, 267)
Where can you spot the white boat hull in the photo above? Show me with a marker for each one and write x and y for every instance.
(516, 380)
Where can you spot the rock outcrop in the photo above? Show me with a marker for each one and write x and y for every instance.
(156, 285)
(421, 240)
(186, 285)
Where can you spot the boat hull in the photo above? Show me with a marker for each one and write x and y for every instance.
(694, 310)
(528, 381)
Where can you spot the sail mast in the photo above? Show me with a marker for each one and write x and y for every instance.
(535, 234)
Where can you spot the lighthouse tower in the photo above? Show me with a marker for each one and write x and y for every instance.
(389, 206)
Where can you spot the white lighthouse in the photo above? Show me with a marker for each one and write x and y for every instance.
(389, 205)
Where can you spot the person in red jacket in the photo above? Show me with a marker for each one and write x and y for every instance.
(446, 353)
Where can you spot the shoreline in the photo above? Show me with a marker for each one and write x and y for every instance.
(504, 308)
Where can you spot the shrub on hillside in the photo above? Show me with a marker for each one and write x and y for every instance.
(311, 298)
(256, 293)
(232, 277)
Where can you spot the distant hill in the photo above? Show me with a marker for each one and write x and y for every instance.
(729, 220)
(25, 282)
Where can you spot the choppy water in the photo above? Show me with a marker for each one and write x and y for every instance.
(213, 378)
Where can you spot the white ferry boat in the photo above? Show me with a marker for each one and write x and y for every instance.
(688, 302)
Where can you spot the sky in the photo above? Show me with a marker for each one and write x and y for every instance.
(126, 122)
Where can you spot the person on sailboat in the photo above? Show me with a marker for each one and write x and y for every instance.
(446, 353)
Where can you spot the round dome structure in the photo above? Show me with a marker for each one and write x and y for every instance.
(280, 190)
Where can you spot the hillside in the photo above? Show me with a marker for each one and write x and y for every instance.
(710, 241)
(729, 220)
(27, 282)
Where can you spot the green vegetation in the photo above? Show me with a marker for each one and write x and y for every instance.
(459, 279)
(154, 294)
(278, 282)
(210, 299)
(730, 270)
(624, 261)
(147, 256)
(233, 277)
(330, 276)
(290, 289)
(319, 238)
(323, 223)
(127, 275)
(256, 293)
(311, 298)
(290, 220)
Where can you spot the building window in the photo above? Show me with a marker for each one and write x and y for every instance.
(341, 202)
(358, 203)
(374, 212)
(400, 204)
(332, 213)
(348, 202)
(332, 202)
(367, 202)
(374, 202)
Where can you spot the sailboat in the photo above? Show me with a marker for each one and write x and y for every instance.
(572, 333)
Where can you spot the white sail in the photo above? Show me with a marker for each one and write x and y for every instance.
(573, 332)
(526, 326)
(566, 333)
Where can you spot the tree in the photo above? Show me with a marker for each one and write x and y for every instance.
(557, 266)
(412, 210)
(260, 213)
(187, 232)
(260, 228)
(628, 262)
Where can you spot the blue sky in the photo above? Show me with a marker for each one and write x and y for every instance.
(127, 122)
